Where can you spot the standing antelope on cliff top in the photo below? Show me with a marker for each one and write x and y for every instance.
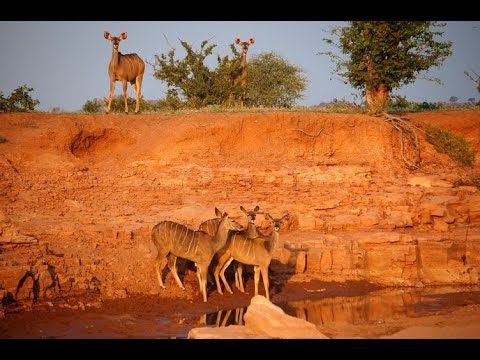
(242, 74)
(197, 246)
(125, 68)
(257, 252)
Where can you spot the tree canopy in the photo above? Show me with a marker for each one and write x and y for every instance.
(379, 56)
(190, 81)
(18, 101)
(273, 81)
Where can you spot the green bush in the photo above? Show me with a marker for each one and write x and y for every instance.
(397, 102)
(456, 147)
(400, 103)
(18, 101)
(92, 106)
(171, 102)
(271, 80)
(427, 106)
(118, 106)
(3, 140)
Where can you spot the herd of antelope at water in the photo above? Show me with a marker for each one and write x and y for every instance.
(222, 237)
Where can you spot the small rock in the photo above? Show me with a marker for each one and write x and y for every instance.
(122, 293)
(301, 262)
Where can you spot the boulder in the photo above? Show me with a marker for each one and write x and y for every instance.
(263, 320)
(266, 319)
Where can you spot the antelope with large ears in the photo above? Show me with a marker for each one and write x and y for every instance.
(128, 68)
(241, 76)
(257, 252)
(172, 238)
(251, 233)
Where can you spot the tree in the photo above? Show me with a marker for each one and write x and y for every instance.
(191, 81)
(453, 99)
(273, 82)
(18, 101)
(384, 55)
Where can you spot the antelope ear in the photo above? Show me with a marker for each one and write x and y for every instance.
(218, 213)
(106, 34)
(243, 209)
(268, 217)
(257, 208)
(238, 41)
(123, 36)
(252, 40)
(285, 217)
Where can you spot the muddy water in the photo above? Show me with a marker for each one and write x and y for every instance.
(329, 313)
(373, 308)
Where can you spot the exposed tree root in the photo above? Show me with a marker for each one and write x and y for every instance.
(409, 147)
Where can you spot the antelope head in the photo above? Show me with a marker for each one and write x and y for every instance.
(115, 40)
(244, 44)
(251, 215)
(276, 223)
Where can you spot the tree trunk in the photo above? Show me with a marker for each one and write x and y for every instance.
(377, 99)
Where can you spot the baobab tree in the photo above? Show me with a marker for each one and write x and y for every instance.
(384, 55)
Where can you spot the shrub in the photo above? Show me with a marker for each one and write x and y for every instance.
(271, 80)
(18, 101)
(172, 101)
(92, 106)
(427, 106)
(3, 140)
(118, 106)
(456, 147)
(398, 102)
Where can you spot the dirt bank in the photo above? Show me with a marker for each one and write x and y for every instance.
(79, 195)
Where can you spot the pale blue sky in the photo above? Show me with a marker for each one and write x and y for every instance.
(66, 62)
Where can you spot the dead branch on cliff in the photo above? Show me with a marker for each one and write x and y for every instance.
(314, 136)
(409, 147)
(304, 132)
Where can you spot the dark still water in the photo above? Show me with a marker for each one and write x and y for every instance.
(375, 307)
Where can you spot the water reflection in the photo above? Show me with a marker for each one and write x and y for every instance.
(375, 307)
(224, 317)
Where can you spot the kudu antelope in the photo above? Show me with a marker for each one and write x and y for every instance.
(251, 233)
(128, 68)
(241, 75)
(172, 238)
(257, 252)
(210, 227)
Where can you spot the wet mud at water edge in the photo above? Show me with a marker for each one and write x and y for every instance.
(339, 310)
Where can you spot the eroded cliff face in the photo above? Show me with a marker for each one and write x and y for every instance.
(79, 195)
